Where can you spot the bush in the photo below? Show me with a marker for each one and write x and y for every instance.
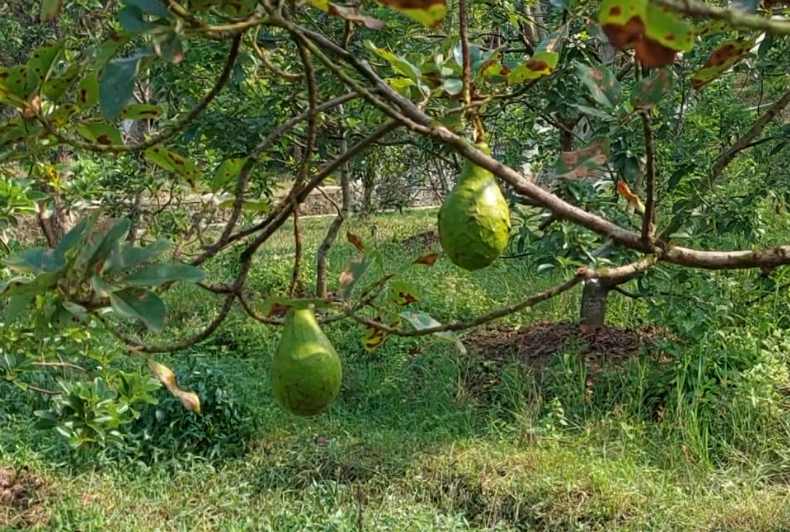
(167, 431)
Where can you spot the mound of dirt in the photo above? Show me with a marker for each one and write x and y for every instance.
(537, 342)
(21, 499)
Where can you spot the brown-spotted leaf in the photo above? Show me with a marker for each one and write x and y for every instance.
(430, 13)
(655, 33)
(724, 57)
(373, 338)
(428, 259)
(581, 163)
(353, 273)
(403, 293)
(650, 90)
(355, 240)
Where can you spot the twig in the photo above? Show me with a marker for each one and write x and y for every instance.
(264, 57)
(297, 248)
(163, 135)
(466, 59)
(59, 365)
(137, 345)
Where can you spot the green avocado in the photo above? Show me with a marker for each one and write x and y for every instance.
(306, 370)
(474, 220)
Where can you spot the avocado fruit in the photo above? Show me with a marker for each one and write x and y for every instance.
(474, 219)
(306, 369)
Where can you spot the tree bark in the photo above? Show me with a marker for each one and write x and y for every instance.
(334, 228)
(594, 299)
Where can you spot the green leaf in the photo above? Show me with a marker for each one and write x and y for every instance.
(421, 320)
(226, 172)
(17, 304)
(129, 256)
(142, 111)
(430, 13)
(173, 162)
(649, 91)
(132, 20)
(139, 304)
(50, 9)
(100, 133)
(109, 48)
(35, 260)
(399, 64)
(18, 83)
(75, 238)
(88, 91)
(239, 8)
(56, 86)
(592, 111)
(158, 274)
(602, 83)
(44, 60)
(150, 7)
(169, 47)
(453, 86)
(117, 86)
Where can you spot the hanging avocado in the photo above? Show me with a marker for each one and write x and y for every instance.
(306, 370)
(474, 220)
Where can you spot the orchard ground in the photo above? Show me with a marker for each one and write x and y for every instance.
(682, 427)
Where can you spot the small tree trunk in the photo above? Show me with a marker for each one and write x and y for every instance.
(334, 228)
(593, 307)
(368, 185)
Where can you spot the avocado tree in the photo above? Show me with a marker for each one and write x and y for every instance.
(594, 117)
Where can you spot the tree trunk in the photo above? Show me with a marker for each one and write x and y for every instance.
(368, 186)
(593, 307)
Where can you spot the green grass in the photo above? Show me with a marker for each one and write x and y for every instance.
(686, 437)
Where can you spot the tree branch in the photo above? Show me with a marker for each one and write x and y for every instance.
(480, 320)
(649, 218)
(735, 19)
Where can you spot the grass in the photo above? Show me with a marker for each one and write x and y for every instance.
(660, 442)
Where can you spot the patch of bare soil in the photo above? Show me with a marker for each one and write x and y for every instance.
(422, 241)
(538, 342)
(22, 497)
